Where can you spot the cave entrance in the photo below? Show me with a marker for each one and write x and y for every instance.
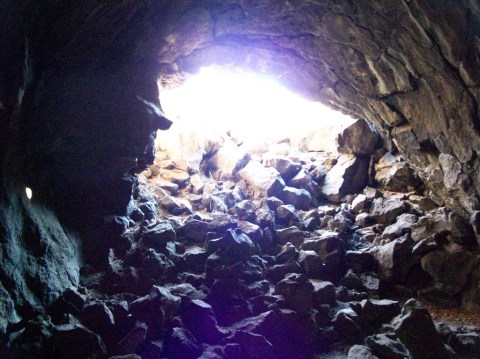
(240, 114)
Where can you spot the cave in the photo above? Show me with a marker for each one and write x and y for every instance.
(111, 249)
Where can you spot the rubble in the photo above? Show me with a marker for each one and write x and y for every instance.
(259, 259)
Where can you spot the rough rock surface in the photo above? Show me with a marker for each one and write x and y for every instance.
(79, 108)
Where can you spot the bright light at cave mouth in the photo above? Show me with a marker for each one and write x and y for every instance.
(246, 104)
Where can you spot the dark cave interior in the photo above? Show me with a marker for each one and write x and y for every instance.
(207, 248)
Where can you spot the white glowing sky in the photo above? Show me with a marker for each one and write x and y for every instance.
(246, 104)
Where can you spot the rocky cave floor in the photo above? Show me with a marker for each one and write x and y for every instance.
(275, 262)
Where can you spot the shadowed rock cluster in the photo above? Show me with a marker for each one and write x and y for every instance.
(281, 256)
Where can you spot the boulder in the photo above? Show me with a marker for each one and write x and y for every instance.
(181, 344)
(450, 268)
(299, 198)
(386, 210)
(297, 291)
(416, 330)
(360, 352)
(360, 138)
(347, 323)
(234, 244)
(443, 221)
(386, 347)
(286, 167)
(393, 173)
(402, 225)
(395, 259)
(76, 341)
(291, 234)
(199, 318)
(156, 309)
(263, 182)
(228, 160)
(157, 234)
(349, 175)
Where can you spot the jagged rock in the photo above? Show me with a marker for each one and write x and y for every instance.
(194, 230)
(157, 234)
(360, 261)
(331, 250)
(132, 341)
(360, 352)
(385, 347)
(360, 203)
(228, 160)
(278, 271)
(402, 225)
(199, 318)
(175, 206)
(290, 335)
(244, 210)
(395, 259)
(471, 297)
(254, 346)
(286, 167)
(227, 299)
(234, 243)
(220, 224)
(373, 313)
(156, 266)
(426, 245)
(450, 268)
(181, 344)
(176, 176)
(76, 341)
(318, 173)
(291, 234)
(441, 221)
(299, 198)
(264, 182)
(359, 138)
(288, 252)
(393, 173)
(170, 187)
(323, 292)
(386, 210)
(251, 230)
(364, 220)
(349, 175)
(97, 317)
(415, 329)
(297, 291)
(312, 263)
(303, 180)
(286, 213)
(156, 309)
(347, 323)
(71, 301)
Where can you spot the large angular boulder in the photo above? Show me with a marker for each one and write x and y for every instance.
(299, 198)
(360, 138)
(285, 166)
(416, 330)
(387, 209)
(349, 175)
(450, 268)
(263, 182)
(228, 160)
(393, 173)
(395, 259)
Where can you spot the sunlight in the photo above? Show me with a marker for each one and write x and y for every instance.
(246, 104)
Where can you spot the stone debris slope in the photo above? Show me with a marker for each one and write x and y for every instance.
(279, 255)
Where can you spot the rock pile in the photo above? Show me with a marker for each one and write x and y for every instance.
(279, 256)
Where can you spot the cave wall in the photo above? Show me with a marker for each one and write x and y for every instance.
(79, 100)
(410, 67)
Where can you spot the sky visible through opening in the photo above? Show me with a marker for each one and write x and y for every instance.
(245, 104)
